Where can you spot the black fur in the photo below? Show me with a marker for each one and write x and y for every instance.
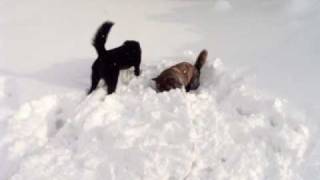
(110, 62)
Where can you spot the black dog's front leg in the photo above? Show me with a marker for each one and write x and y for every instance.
(137, 70)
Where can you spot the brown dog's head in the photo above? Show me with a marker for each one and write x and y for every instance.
(167, 83)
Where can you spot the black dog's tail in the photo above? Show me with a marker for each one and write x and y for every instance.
(201, 60)
(101, 37)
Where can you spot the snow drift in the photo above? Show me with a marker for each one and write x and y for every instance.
(224, 130)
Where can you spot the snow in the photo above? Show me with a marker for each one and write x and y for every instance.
(253, 117)
(222, 5)
(225, 130)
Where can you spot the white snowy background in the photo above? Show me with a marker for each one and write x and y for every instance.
(255, 116)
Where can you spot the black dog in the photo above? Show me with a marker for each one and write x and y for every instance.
(110, 62)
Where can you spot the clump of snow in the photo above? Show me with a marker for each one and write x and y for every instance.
(224, 130)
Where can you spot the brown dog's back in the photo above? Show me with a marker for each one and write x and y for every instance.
(184, 70)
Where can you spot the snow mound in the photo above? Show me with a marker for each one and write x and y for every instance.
(224, 130)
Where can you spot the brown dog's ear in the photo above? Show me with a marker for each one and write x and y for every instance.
(155, 79)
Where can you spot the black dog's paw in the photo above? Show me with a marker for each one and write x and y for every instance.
(137, 72)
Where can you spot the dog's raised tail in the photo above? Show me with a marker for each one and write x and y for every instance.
(100, 38)
(201, 60)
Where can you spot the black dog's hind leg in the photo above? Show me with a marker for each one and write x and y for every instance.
(95, 77)
(112, 81)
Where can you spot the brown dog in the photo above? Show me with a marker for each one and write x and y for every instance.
(181, 75)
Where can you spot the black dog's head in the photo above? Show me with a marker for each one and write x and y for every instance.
(131, 43)
(132, 47)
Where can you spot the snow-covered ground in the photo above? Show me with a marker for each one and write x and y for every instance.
(256, 119)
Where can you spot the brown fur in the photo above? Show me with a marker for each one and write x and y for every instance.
(181, 75)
